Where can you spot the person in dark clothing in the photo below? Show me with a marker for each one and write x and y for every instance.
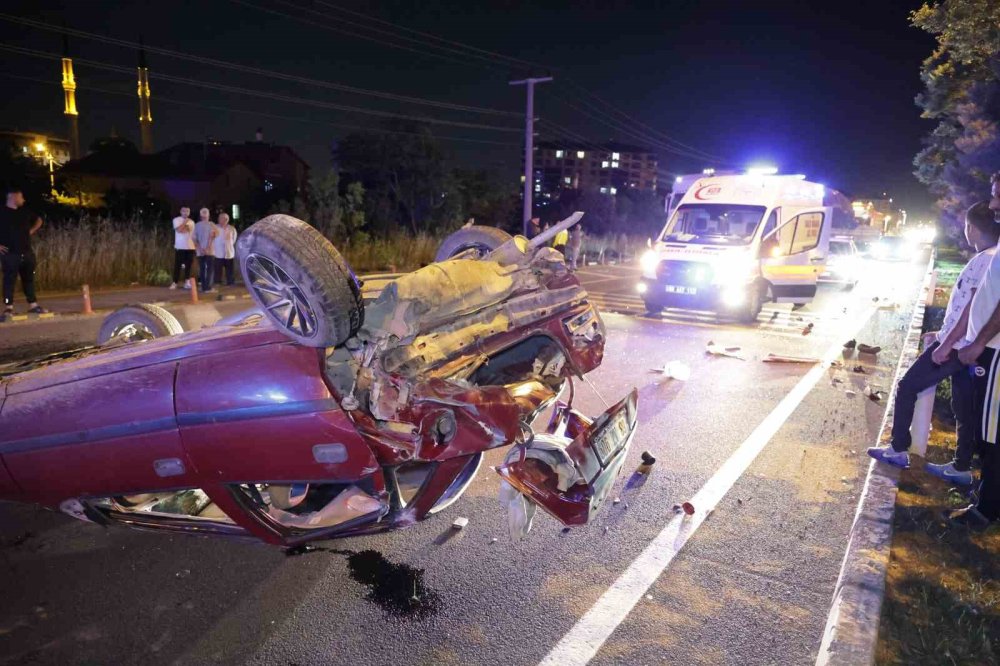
(534, 227)
(17, 226)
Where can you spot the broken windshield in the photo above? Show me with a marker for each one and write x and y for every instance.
(713, 224)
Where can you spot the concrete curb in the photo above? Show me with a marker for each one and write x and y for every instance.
(852, 626)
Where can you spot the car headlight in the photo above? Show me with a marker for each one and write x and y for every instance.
(648, 262)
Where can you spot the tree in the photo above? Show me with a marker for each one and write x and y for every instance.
(962, 92)
(404, 177)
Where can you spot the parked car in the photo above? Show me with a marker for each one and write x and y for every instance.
(322, 416)
(843, 263)
(895, 248)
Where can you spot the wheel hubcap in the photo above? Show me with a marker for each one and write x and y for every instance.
(280, 296)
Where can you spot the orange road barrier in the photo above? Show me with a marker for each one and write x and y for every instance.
(87, 309)
(194, 290)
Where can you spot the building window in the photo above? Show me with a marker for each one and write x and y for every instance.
(604, 165)
(567, 180)
(615, 156)
(614, 165)
(614, 190)
(580, 154)
(538, 188)
(559, 154)
(604, 190)
(236, 211)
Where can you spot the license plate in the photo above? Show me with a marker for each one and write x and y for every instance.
(677, 289)
(612, 436)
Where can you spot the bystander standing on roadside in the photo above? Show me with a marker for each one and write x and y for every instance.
(982, 355)
(183, 247)
(939, 361)
(224, 249)
(560, 241)
(534, 227)
(204, 237)
(17, 226)
(574, 245)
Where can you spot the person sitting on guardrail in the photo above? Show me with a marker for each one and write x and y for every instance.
(939, 361)
(982, 355)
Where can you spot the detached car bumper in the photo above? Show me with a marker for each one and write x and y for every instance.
(570, 469)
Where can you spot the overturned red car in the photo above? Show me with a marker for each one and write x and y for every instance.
(321, 416)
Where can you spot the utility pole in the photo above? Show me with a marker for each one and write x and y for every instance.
(529, 140)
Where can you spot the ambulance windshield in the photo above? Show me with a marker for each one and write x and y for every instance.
(713, 224)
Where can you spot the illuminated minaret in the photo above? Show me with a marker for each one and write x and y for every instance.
(69, 101)
(145, 115)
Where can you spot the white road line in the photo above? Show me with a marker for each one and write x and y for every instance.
(590, 632)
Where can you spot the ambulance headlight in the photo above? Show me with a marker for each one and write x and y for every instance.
(648, 262)
(733, 296)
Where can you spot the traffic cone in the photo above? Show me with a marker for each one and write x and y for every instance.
(194, 290)
(87, 309)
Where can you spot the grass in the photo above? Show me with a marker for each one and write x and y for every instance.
(942, 602)
(105, 253)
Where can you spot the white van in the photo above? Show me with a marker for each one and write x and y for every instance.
(737, 241)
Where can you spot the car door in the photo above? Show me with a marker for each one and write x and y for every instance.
(794, 255)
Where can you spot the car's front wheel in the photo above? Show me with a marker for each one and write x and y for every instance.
(481, 239)
(300, 281)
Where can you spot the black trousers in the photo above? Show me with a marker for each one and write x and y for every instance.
(206, 271)
(225, 266)
(923, 374)
(183, 258)
(14, 266)
(987, 402)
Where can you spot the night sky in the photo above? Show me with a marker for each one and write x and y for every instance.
(824, 89)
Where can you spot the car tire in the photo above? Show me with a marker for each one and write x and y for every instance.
(652, 307)
(300, 281)
(481, 238)
(754, 304)
(148, 321)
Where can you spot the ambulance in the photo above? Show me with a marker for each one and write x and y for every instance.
(735, 242)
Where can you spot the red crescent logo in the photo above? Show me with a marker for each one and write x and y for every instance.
(707, 192)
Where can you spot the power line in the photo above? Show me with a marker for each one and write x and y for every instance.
(255, 70)
(428, 35)
(89, 88)
(659, 137)
(356, 35)
(258, 93)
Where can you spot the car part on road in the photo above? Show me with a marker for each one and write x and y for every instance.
(718, 350)
(300, 281)
(134, 323)
(808, 329)
(473, 242)
(675, 370)
(778, 358)
(851, 344)
(868, 349)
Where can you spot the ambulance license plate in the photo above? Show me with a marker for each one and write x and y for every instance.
(677, 289)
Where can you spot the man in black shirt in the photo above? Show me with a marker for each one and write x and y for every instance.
(17, 226)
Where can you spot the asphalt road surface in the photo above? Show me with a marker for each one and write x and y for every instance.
(772, 456)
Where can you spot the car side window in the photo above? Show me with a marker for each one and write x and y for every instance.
(786, 236)
(807, 229)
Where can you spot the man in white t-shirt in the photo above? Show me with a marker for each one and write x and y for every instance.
(939, 361)
(224, 248)
(204, 236)
(183, 247)
(982, 355)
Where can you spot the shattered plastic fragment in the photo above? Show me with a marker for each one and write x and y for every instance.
(675, 370)
(718, 350)
(776, 358)
(808, 329)
(688, 508)
(851, 344)
(868, 349)
(520, 511)
(460, 523)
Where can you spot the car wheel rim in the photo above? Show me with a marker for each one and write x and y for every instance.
(133, 332)
(280, 296)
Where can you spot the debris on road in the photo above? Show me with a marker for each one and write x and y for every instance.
(647, 463)
(849, 393)
(808, 329)
(675, 370)
(719, 350)
(858, 369)
(616, 501)
(851, 344)
(779, 358)
(868, 349)
(873, 394)
(459, 523)
(688, 508)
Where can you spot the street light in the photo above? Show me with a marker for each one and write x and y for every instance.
(45, 154)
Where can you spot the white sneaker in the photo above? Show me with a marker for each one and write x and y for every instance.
(173, 285)
(890, 456)
(187, 285)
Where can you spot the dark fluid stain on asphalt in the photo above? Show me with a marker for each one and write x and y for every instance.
(398, 588)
